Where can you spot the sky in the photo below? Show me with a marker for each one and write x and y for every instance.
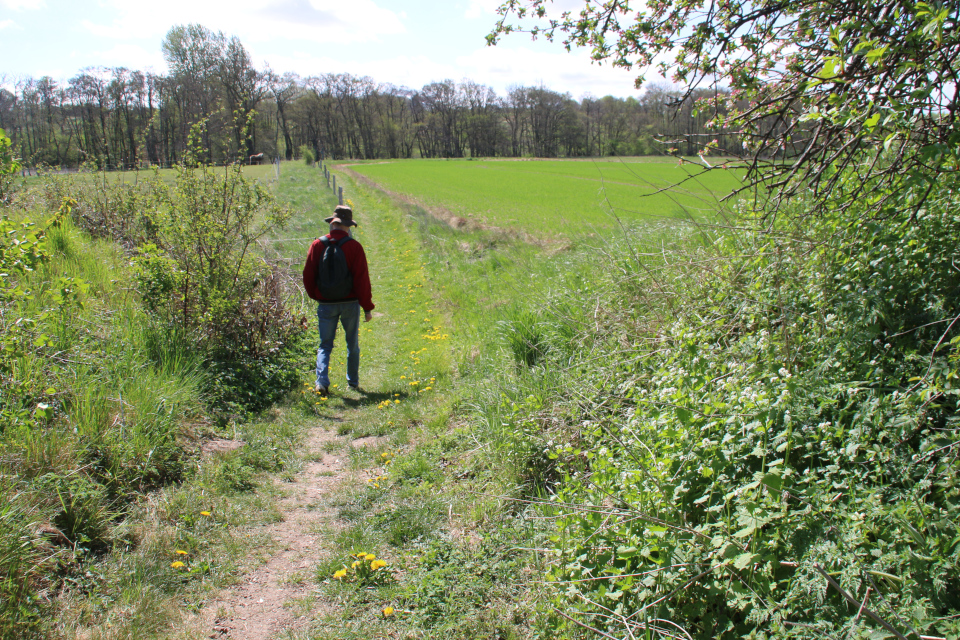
(403, 42)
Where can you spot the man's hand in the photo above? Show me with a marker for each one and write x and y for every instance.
(367, 316)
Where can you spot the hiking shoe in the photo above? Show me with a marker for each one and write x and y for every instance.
(323, 391)
(356, 387)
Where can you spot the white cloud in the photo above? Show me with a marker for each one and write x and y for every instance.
(126, 55)
(254, 20)
(4, 24)
(483, 9)
(21, 5)
(114, 32)
(556, 69)
(401, 70)
(497, 67)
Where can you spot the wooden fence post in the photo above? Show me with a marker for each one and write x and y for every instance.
(341, 195)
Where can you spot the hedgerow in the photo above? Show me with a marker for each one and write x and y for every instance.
(201, 277)
(770, 449)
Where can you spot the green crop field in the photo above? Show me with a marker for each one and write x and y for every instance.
(557, 196)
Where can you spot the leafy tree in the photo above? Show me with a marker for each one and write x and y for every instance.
(856, 100)
(244, 87)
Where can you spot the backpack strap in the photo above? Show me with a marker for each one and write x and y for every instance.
(342, 241)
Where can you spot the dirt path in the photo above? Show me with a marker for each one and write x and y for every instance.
(278, 597)
(404, 353)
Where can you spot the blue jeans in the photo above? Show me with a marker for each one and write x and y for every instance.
(348, 315)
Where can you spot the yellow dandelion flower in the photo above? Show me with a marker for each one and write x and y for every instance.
(397, 401)
(205, 513)
(377, 564)
(177, 565)
(387, 612)
(356, 563)
(340, 573)
(181, 552)
(370, 556)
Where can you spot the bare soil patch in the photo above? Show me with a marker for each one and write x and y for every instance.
(278, 597)
(219, 445)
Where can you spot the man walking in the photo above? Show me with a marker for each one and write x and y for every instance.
(336, 276)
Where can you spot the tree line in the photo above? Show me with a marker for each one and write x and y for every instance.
(117, 117)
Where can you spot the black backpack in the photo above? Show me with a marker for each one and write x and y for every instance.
(334, 279)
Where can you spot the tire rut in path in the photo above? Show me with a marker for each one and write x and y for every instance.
(259, 607)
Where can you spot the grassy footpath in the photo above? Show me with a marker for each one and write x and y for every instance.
(453, 569)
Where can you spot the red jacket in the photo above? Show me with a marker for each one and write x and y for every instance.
(356, 262)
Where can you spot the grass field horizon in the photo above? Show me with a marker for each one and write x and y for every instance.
(558, 196)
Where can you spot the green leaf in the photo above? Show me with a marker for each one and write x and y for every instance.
(773, 482)
(744, 560)
(745, 532)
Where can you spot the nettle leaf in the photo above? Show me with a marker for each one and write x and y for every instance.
(773, 482)
(744, 560)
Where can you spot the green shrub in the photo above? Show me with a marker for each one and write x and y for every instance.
(83, 512)
(795, 416)
(9, 165)
(306, 153)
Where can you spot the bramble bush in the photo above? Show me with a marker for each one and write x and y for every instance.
(794, 418)
(206, 287)
(202, 279)
(22, 248)
(9, 165)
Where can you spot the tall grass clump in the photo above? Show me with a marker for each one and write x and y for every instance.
(20, 607)
(87, 422)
